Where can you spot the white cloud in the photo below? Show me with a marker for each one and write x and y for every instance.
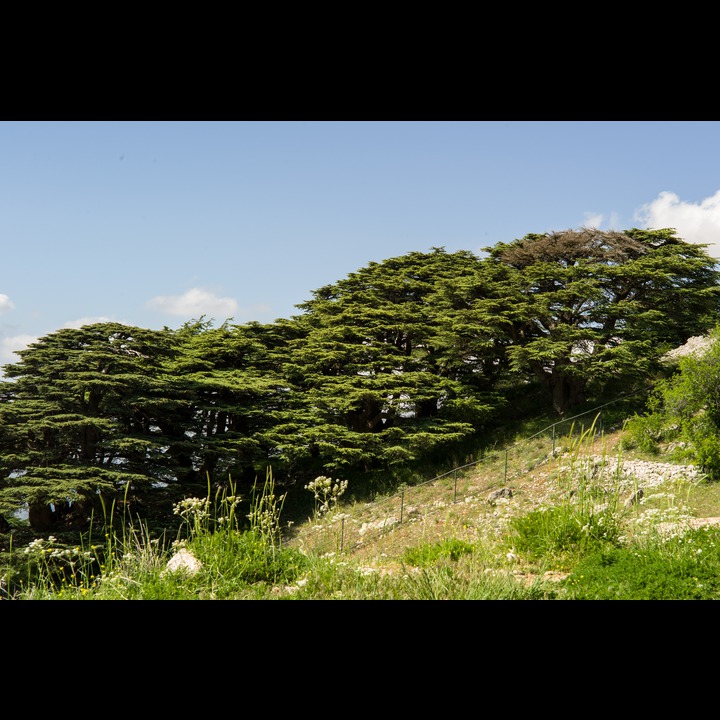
(193, 304)
(10, 345)
(597, 220)
(6, 303)
(694, 222)
(593, 220)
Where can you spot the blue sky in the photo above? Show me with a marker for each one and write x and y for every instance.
(159, 222)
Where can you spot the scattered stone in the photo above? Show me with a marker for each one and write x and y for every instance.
(378, 524)
(635, 498)
(636, 473)
(183, 561)
(494, 496)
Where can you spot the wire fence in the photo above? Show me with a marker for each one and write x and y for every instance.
(339, 531)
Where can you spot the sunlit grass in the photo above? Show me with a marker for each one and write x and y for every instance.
(518, 525)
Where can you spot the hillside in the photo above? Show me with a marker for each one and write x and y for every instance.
(477, 508)
(574, 511)
(477, 504)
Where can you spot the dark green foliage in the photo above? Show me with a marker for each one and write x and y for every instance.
(110, 413)
(595, 310)
(372, 389)
(403, 367)
(79, 422)
(232, 375)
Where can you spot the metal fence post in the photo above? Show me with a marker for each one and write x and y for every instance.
(506, 465)
(454, 486)
(402, 504)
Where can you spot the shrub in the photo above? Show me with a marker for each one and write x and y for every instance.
(564, 529)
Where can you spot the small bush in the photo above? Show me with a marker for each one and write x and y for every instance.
(561, 530)
(643, 432)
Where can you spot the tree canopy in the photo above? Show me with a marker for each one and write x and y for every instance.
(80, 420)
(401, 366)
(592, 307)
(367, 371)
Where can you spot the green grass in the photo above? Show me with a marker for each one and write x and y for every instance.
(429, 554)
(579, 542)
(680, 568)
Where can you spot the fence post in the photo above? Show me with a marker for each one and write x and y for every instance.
(506, 464)
(553, 441)
(454, 486)
(402, 504)
(342, 534)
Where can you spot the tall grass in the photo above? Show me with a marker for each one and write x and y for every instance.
(583, 542)
(229, 553)
(643, 550)
(587, 517)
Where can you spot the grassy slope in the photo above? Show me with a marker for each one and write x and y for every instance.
(460, 508)
(458, 537)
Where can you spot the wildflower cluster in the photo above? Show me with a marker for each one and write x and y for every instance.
(192, 508)
(327, 493)
(66, 564)
(195, 511)
(265, 515)
(44, 549)
(674, 521)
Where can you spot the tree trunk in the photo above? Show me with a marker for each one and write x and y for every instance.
(41, 517)
(567, 392)
(368, 417)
